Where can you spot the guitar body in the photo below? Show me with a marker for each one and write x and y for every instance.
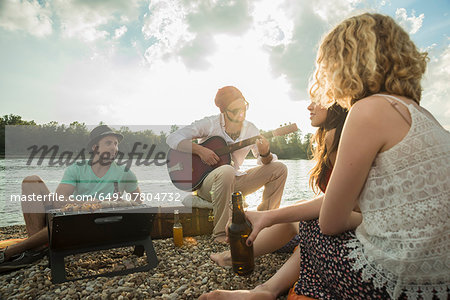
(187, 171)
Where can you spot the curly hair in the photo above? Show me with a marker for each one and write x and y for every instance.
(335, 120)
(365, 55)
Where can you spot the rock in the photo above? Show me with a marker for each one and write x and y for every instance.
(181, 289)
(181, 274)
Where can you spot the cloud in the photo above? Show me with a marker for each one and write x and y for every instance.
(332, 14)
(410, 24)
(436, 87)
(89, 20)
(273, 25)
(205, 19)
(185, 29)
(295, 53)
(165, 25)
(230, 16)
(28, 16)
(288, 31)
(195, 53)
(120, 31)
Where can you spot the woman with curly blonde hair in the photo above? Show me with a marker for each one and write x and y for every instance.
(393, 161)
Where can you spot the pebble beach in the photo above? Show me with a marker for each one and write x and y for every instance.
(182, 273)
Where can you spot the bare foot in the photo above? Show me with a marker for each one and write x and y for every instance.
(223, 259)
(240, 294)
(221, 239)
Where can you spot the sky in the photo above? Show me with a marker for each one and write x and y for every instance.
(160, 62)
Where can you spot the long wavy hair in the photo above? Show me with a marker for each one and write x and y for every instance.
(335, 120)
(365, 55)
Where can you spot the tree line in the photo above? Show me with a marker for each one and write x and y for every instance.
(74, 137)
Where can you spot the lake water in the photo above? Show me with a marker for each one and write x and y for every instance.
(152, 181)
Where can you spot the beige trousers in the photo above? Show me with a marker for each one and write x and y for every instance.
(222, 182)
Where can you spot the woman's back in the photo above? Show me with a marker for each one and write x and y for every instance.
(402, 242)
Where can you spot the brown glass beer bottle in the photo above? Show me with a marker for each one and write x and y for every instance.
(177, 230)
(238, 232)
(116, 195)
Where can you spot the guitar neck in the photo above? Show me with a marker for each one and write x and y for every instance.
(247, 142)
(241, 144)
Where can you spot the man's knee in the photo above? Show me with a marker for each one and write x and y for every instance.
(280, 168)
(32, 184)
(225, 173)
(32, 179)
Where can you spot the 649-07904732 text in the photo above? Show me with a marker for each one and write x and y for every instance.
(143, 197)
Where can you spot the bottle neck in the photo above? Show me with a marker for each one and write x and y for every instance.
(238, 211)
(176, 218)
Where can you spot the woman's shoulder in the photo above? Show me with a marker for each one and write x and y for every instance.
(370, 102)
(371, 109)
(380, 101)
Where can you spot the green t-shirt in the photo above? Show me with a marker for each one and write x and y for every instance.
(86, 182)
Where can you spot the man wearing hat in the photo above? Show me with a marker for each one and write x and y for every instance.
(218, 186)
(98, 177)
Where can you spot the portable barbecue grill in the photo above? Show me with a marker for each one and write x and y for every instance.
(79, 232)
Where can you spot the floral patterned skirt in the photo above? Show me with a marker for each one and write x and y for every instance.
(325, 270)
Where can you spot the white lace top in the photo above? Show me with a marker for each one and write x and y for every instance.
(403, 242)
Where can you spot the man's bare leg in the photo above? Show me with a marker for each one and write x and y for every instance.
(36, 241)
(33, 213)
(268, 240)
(278, 284)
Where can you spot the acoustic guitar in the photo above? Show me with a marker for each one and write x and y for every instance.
(187, 171)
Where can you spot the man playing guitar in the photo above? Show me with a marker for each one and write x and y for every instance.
(218, 185)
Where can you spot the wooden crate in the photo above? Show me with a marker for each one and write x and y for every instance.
(199, 222)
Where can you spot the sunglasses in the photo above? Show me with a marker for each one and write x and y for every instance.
(238, 110)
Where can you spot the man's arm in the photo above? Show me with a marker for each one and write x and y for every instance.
(263, 147)
(136, 195)
(181, 140)
(66, 190)
(198, 129)
(206, 155)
